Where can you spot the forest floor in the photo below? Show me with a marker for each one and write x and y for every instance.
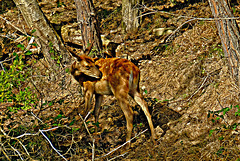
(184, 79)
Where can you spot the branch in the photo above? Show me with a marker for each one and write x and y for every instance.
(86, 124)
(11, 145)
(52, 144)
(152, 11)
(8, 22)
(121, 155)
(199, 88)
(123, 144)
(41, 131)
(3, 150)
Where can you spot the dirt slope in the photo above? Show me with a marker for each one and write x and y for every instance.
(184, 81)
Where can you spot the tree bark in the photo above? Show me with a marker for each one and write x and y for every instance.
(88, 24)
(229, 33)
(130, 12)
(45, 35)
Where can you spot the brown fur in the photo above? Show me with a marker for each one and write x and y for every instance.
(120, 77)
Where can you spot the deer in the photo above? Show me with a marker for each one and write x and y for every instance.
(111, 76)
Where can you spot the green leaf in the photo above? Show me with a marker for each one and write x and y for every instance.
(50, 103)
(211, 132)
(28, 52)
(34, 30)
(208, 115)
(51, 51)
(34, 44)
(71, 123)
(21, 46)
(221, 138)
(145, 91)
(96, 124)
(67, 70)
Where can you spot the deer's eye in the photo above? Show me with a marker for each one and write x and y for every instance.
(87, 67)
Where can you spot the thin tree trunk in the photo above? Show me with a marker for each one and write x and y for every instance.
(130, 12)
(45, 35)
(229, 33)
(88, 24)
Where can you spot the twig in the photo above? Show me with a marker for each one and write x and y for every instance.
(178, 29)
(93, 150)
(3, 150)
(24, 147)
(19, 154)
(152, 11)
(11, 145)
(2, 67)
(189, 17)
(123, 144)
(36, 117)
(86, 124)
(30, 42)
(8, 22)
(87, 116)
(7, 59)
(52, 144)
(199, 88)
(121, 155)
(27, 134)
(6, 36)
(93, 140)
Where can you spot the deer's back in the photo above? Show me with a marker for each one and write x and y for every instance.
(116, 71)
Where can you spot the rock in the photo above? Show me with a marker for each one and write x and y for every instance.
(159, 131)
(158, 31)
(162, 31)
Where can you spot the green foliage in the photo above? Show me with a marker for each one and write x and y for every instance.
(145, 91)
(216, 50)
(13, 84)
(219, 114)
(55, 55)
(60, 4)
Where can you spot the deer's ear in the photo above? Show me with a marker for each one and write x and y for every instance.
(95, 59)
(88, 49)
(74, 54)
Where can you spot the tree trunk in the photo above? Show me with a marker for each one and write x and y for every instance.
(130, 12)
(229, 33)
(45, 36)
(88, 24)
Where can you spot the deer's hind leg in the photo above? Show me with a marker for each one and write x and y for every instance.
(139, 99)
(122, 97)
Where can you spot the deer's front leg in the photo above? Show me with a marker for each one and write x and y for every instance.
(99, 99)
(88, 92)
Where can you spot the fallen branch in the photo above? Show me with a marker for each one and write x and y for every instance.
(8, 22)
(93, 140)
(52, 144)
(41, 131)
(123, 144)
(15, 150)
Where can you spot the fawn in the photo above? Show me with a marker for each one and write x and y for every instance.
(111, 76)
